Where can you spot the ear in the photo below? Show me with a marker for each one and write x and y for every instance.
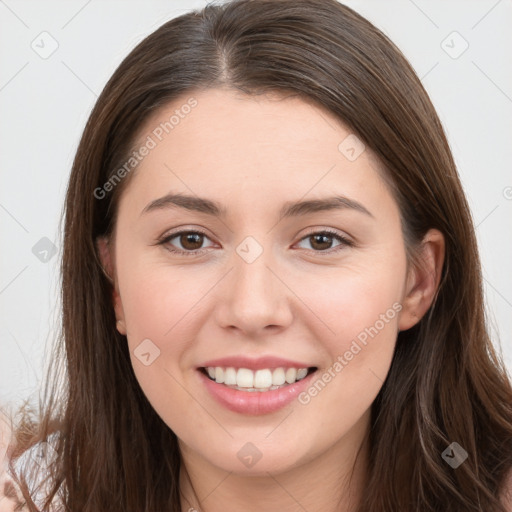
(423, 280)
(105, 253)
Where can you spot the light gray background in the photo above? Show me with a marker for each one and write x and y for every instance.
(44, 104)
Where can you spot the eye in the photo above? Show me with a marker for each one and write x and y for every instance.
(322, 241)
(190, 242)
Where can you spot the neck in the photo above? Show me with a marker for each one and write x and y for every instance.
(332, 482)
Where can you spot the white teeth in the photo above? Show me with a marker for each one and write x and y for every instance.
(219, 375)
(278, 378)
(263, 379)
(244, 378)
(230, 376)
(301, 373)
(291, 375)
(259, 380)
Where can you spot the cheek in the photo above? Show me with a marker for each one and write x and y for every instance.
(361, 309)
(352, 303)
(159, 308)
(364, 321)
(158, 300)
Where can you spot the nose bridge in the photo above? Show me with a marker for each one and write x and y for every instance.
(253, 278)
(255, 297)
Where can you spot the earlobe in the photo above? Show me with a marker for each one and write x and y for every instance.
(423, 280)
(121, 327)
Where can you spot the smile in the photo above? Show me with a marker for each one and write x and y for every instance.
(254, 392)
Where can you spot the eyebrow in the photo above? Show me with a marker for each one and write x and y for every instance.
(289, 209)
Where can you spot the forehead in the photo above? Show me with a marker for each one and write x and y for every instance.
(209, 117)
(242, 145)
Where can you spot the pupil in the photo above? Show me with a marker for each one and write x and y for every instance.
(193, 238)
(322, 237)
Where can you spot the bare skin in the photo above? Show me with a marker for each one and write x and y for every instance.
(299, 299)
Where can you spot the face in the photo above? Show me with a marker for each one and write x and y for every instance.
(260, 291)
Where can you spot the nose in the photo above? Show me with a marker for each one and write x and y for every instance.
(254, 298)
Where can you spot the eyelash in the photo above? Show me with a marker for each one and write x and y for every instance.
(344, 241)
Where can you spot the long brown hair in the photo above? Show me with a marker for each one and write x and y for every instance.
(446, 383)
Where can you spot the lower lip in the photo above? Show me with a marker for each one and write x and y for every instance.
(255, 402)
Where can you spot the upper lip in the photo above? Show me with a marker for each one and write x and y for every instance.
(259, 363)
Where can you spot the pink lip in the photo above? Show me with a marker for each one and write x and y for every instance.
(254, 402)
(260, 363)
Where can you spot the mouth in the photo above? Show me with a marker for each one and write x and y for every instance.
(255, 392)
(262, 380)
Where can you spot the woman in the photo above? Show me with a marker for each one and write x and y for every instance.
(271, 290)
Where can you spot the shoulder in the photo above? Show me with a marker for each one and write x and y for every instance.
(34, 463)
(10, 496)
